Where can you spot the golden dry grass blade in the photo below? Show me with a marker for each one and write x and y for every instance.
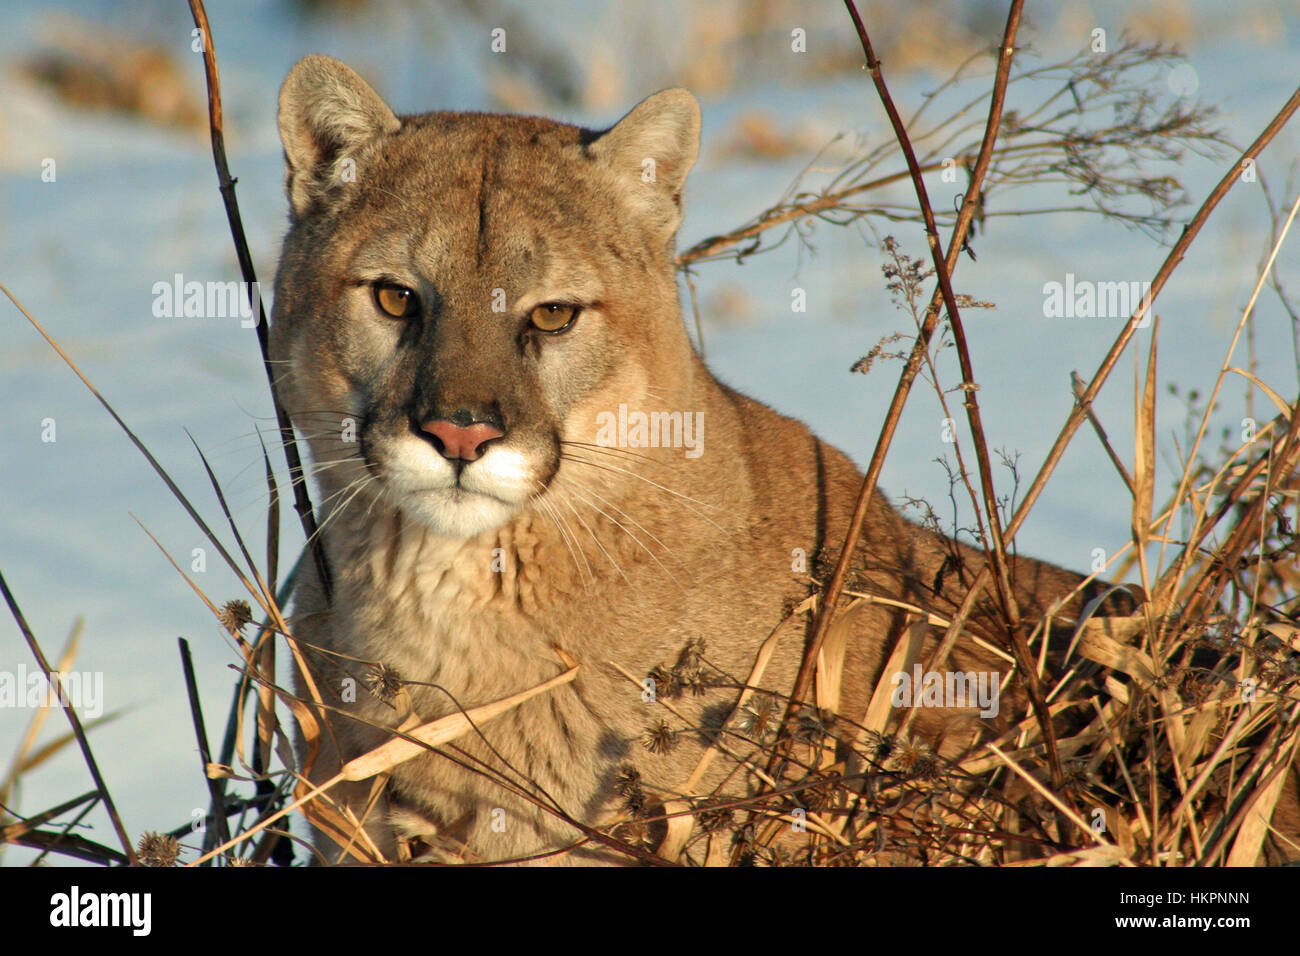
(829, 677)
(49, 750)
(1250, 837)
(1144, 459)
(905, 655)
(1104, 640)
(680, 828)
(388, 755)
(1107, 855)
(70, 712)
(1049, 797)
(20, 762)
(437, 732)
(1283, 407)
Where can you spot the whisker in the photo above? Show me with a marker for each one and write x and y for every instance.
(597, 541)
(655, 484)
(358, 485)
(564, 534)
(611, 450)
(654, 557)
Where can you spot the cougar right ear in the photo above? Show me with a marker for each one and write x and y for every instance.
(652, 149)
(330, 120)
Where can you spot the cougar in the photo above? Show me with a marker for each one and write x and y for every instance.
(524, 466)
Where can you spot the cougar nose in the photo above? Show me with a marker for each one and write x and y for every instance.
(463, 442)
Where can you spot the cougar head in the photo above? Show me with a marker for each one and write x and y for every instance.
(458, 292)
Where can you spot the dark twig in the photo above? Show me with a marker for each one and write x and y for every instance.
(942, 273)
(301, 498)
(826, 610)
(201, 735)
(1078, 387)
(69, 844)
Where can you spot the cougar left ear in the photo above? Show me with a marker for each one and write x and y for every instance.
(328, 115)
(654, 147)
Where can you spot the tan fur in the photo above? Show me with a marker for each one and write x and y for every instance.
(612, 558)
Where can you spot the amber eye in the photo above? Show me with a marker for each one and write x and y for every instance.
(553, 316)
(396, 300)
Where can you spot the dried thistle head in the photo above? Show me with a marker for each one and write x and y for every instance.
(635, 832)
(928, 767)
(659, 738)
(752, 853)
(879, 746)
(687, 672)
(758, 717)
(780, 856)
(712, 819)
(914, 759)
(697, 681)
(235, 616)
(1077, 776)
(810, 728)
(667, 686)
(383, 681)
(627, 779)
(821, 796)
(158, 849)
(627, 783)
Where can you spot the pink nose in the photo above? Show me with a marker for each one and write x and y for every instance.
(460, 442)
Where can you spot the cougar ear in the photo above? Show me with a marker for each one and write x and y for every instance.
(652, 149)
(330, 122)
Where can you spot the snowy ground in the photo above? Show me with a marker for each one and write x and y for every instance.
(133, 205)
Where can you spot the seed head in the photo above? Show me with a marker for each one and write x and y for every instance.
(235, 615)
(158, 849)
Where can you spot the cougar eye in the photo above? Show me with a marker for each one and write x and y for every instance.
(553, 317)
(396, 300)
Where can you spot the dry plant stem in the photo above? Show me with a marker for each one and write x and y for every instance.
(1175, 257)
(1209, 587)
(998, 554)
(1176, 570)
(140, 446)
(266, 657)
(301, 498)
(1077, 387)
(268, 605)
(1079, 413)
(706, 248)
(82, 742)
(1050, 797)
(38, 718)
(1282, 754)
(201, 735)
(30, 823)
(835, 587)
(69, 844)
